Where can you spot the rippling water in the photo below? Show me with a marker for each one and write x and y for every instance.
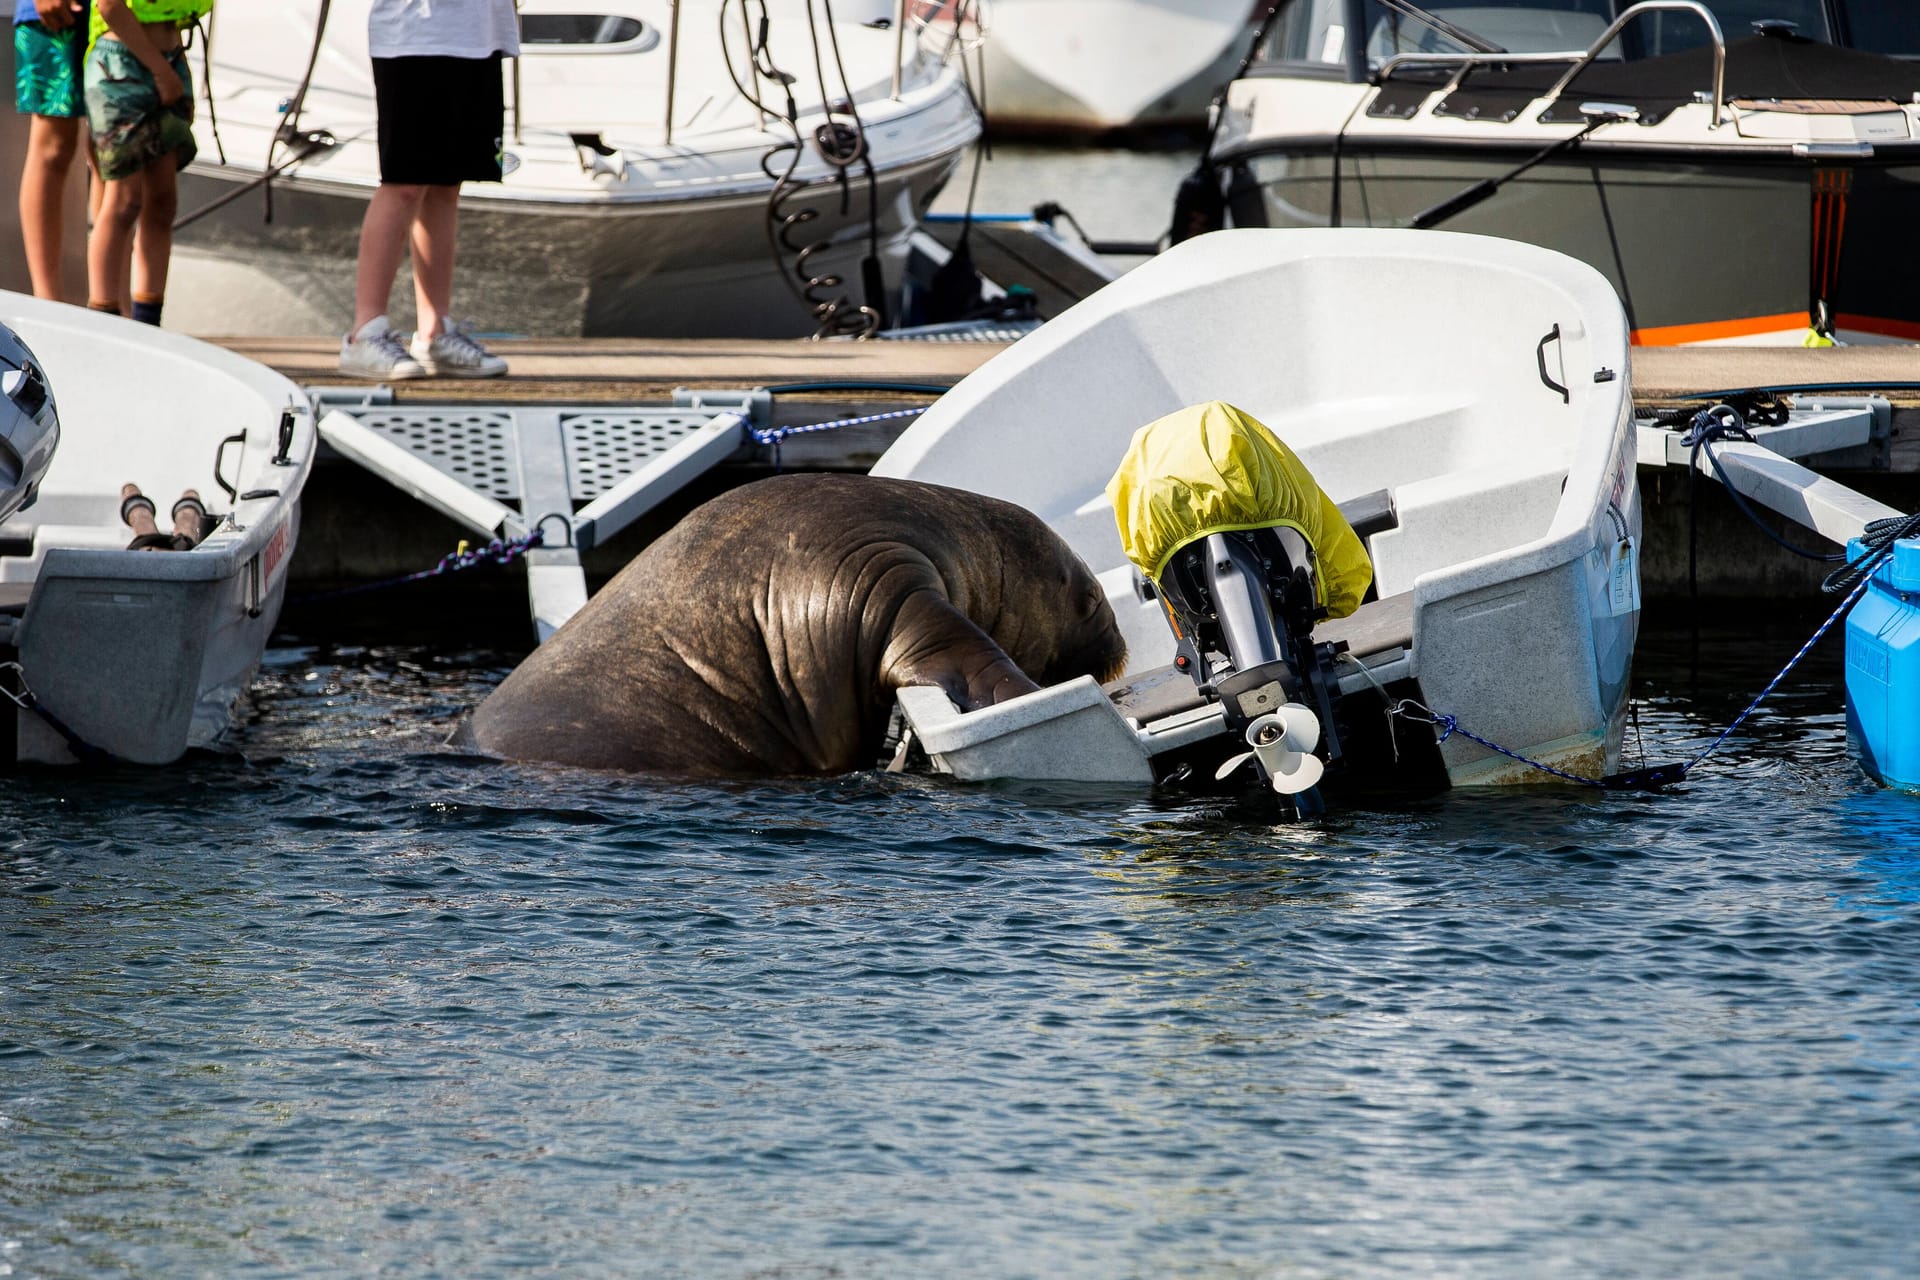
(343, 1002)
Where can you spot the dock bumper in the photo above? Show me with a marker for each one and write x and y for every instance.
(1883, 668)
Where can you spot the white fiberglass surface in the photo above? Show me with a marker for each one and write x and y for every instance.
(1417, 362)
(136, 405)
(261, 53)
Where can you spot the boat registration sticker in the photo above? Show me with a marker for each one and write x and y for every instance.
(1623, 579)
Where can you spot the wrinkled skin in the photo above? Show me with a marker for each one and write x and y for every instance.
(766, 633)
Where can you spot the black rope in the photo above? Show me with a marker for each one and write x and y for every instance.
(1723, 422)
(1877, 539)
(82, 750)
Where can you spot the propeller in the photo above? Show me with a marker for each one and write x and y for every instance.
(1284, 741)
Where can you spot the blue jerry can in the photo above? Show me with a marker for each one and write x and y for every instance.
(1883, 668)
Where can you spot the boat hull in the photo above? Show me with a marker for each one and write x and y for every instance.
(1788, 235)
(1078, 69)
(1504, 449)
(137, 655)
(688, 268)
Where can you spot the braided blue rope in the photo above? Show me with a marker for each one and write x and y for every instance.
(775, 435)
(1865, 580)
(1448, 725)
(498, 551)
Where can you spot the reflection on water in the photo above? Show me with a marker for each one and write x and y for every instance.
(344, 1001)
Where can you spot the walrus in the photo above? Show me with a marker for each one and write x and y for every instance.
(765, 633)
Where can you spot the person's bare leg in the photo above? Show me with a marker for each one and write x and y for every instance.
(52, 143)
(383, 241)
(434, 229)
(139, 518)
(110, 248)
(189, 516)
(153, 240)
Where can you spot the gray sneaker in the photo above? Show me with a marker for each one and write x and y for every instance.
(375, 352)
(453, 353)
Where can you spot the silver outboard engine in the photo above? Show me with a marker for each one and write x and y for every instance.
(1243, 606)
(29, 424)
(1247, 555)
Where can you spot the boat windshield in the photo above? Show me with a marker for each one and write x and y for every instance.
(1317, 32)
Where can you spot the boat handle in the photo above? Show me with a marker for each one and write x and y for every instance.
(1540, 354)
(284, 441)
(220, 458)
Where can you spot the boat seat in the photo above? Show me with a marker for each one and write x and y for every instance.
(1155, 695)
(1375, 627)
(1465, 514)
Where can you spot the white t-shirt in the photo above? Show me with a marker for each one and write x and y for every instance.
(442, 28)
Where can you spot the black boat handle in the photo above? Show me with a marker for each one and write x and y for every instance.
(1540, 354)
(219, 459)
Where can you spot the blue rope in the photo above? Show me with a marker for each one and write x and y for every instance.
(1406, 708)
(776, 435)
(498, 551)
(1865, 580)
(1660, 775)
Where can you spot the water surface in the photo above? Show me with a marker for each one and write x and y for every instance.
(343, 1002)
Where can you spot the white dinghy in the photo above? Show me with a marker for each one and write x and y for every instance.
(140, 655)
(1465, 402)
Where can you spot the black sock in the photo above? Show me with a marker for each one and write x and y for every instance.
(148, 312)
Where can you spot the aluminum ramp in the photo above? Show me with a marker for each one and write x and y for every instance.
(577, 474)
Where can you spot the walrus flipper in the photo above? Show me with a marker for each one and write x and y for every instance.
(934, 643)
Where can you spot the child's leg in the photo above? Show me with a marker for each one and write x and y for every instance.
(434, 228)
(153, 241)
(51, 145)
(383, 240)
(110, 248)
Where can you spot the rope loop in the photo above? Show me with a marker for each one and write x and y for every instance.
(1723, 422)
(501, 551)
(1877, 541)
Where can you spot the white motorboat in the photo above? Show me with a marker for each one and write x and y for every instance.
(140, 655)
(1100, 66)
(1465, 401)
(665, 180)
(1742, 171)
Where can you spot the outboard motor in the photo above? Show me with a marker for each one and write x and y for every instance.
(29, 424)
(1247, 555)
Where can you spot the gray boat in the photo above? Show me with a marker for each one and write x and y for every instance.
(1742, 171)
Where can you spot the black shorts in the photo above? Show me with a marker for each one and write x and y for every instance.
(440, 119)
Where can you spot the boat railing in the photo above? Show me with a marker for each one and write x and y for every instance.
(673, 59)
(1580, 58)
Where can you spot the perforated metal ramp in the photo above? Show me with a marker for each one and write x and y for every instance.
(479, 447)
(577, 474)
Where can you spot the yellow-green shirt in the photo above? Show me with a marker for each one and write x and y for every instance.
(180, 12)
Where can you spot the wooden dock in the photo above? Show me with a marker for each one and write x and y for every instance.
(355, 531)
(634, 370)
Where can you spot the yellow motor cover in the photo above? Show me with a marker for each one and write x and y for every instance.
(1212, 468)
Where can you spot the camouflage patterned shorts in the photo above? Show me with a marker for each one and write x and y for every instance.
(130, 128)
(46, 70)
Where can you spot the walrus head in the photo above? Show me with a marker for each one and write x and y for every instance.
(1052, 618)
